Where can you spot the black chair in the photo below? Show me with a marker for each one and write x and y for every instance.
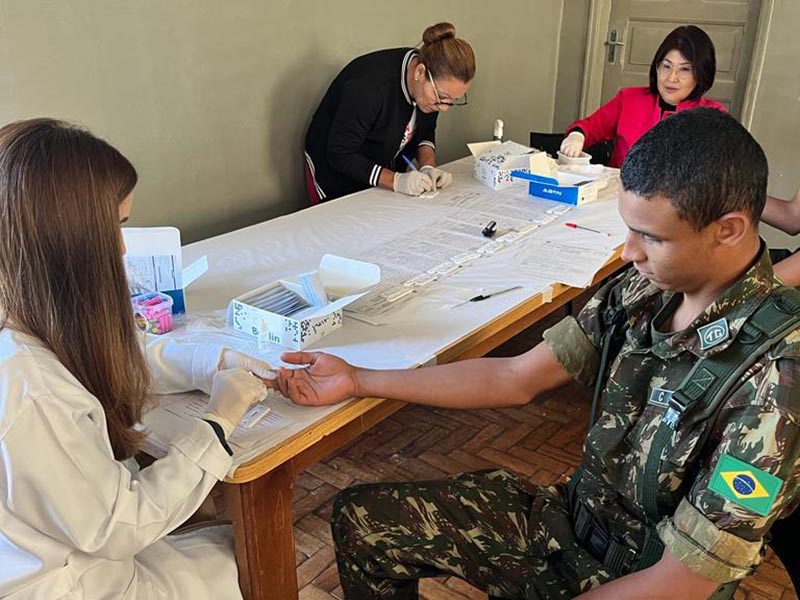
(551, 143)
(548, 142)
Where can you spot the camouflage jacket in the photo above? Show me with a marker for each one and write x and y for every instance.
(704, 490)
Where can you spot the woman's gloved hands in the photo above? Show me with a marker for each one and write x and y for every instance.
(233, 391)
(441, 179)
(573, 144)
(412, 183)
(232, 359)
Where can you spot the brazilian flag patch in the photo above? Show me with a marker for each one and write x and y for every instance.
(745, 485)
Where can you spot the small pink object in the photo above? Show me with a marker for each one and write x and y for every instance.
(153, 312)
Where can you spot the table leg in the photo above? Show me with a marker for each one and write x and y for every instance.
(261, 511)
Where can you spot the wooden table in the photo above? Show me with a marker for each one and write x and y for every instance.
(259, 496)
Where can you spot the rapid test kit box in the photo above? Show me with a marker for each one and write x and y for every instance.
(300, 311)
(570, 188)
(495, 162)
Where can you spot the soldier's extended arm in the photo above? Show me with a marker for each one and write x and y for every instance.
(477, 383)
(669, 578)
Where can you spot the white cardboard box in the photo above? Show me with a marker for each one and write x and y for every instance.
(495, 160)
(344, 279)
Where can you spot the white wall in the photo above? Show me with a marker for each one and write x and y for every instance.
(210, 100)
(776, 116)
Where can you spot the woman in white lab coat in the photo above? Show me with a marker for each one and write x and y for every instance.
(77, 519)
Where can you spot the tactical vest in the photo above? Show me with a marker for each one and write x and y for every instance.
(698, 398)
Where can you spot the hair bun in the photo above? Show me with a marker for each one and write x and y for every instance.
(438, 32)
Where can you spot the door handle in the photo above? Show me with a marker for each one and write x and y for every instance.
(613, 42)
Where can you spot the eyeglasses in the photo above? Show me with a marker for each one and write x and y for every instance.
(666, 69)
(447, 102)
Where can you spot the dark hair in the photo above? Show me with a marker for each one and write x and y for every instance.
(697, 47)
(445, 55)
(61, 252)
(702, 160)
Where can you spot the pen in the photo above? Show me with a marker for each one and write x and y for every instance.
(411, 164)
(408, 162)
(576, 226)
(480, 297)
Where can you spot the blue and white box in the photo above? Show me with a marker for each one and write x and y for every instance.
(568, 188)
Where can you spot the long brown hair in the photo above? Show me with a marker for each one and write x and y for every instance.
(62, 277)
(445, 55)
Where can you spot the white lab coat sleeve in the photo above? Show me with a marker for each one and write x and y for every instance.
(64, 482)
(177, 366)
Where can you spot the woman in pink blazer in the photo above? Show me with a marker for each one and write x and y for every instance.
(682, 71)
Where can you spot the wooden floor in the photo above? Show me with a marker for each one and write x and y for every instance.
(542, 441)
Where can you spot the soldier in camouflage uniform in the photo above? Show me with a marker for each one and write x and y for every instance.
(666, 503)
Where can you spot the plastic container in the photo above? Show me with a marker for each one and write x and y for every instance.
(153, 312)
(583, 159)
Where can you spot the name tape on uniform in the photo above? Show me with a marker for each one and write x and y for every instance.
(660, 397)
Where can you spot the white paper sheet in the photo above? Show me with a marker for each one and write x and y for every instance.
(176, 412)
(448, 243)
(563, 262)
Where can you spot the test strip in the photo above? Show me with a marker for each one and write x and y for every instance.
(511, 236)
(255, 415)
(491, 247)
(398, 293)
(526, 229)
(465, 257)
(445, 268)
(421, 280)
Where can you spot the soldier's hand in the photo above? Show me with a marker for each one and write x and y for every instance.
(325, 380)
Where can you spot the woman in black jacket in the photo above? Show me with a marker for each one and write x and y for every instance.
(380, 113)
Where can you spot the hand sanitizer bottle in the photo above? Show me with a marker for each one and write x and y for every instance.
(498, 130)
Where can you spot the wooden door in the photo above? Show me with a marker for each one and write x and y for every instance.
(637, 27)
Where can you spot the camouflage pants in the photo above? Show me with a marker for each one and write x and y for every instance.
(496, 531)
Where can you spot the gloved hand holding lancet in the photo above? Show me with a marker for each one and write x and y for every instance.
(233, 359)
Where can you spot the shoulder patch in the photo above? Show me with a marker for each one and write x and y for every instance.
(714, 333)
(745, 485)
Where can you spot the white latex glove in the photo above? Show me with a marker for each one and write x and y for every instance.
(441, 179)
(232, 393)
(233, 359)
(412, 183)
(573, 144)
